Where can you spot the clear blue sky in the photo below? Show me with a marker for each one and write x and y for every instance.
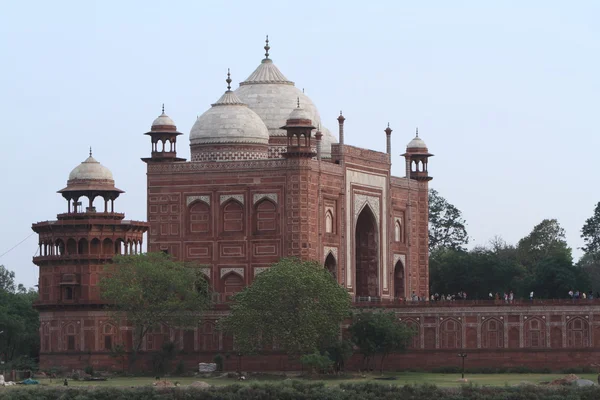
(505, 94)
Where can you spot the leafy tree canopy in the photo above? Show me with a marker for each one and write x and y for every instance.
(447, 227)
(19, 321)
(152, 289)
(590, 232)
(294, 304)
(547, 239)
(381, 334)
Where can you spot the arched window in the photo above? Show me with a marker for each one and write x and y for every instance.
(265, 217)
(328, 221)
(492, 334)
(233, 217)
(367, 254)
(399, 280)
(209, 337)
(331, 265)
(71, 247)
(83, 247)
(535, 333)
(95, 247)
(60, 247)
(200, 218)
(108, 336)
(232, 283)
(578, 333)
(398, 230)
(451, 334)
(70, 337)
(107, 246)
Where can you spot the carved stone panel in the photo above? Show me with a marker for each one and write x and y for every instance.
(239, 271)
(190, 199)
(359, 202)
(225, 197)
(259, 196)
(332, 250)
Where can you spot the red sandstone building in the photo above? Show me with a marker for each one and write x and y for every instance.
(268, 180)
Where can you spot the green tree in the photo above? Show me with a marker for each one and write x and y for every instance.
(152, 289)
(447, 227)
(379, 333)
(548, 262)
(590, 232)
(545, 240)
(477, 272)
(19, 321)
(294, 304)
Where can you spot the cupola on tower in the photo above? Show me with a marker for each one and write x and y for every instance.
(73, 250)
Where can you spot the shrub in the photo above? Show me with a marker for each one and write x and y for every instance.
(89, 370)
(218, 359)
(317, 362)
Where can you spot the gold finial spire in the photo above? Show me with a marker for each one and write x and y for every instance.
(417, 133)
(90, 151)
(163, 108)
(228, 80)
(267, 48)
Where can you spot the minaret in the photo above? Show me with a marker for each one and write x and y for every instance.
(163, 134)
(388, 143)
(341, 120)
(417, 156)
(318, 137)
(299, 127)
(73, 250)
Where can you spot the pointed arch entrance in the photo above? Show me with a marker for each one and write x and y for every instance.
(367, 254)
(331, 265)
(399, 280)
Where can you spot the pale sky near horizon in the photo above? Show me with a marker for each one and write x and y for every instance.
(505, 94)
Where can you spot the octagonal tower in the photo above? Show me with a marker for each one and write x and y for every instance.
(73, 250)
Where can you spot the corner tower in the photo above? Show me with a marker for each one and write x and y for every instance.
(73, 250)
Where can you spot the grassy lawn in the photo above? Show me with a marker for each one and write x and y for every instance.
(402, 378)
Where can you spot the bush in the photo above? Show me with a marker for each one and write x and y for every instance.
(317, 362)
(89, 370)
(218, 359)
(305, 391)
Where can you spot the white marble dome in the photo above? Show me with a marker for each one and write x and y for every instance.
(91, 169)
(273, 97)
(416, 143)
(229, 121)
(163, 120)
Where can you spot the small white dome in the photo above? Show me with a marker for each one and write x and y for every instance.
(90, 169)
(416, 143)
(299, 113)
(229, 121)
(163, 120)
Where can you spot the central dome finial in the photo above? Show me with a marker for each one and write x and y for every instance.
(228, 80)
(417, 132)
(267, 48)
(90, 151)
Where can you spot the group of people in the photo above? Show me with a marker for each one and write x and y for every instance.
(462, 295)
(576, 295)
